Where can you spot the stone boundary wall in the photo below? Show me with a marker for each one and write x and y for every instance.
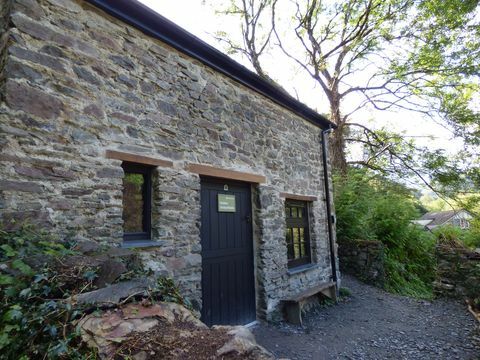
(364, 259)
(458, 272)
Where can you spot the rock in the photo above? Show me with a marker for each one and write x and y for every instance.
(142, 355)
(113, 294)
(37, 262)
(104, 332)
(24, 186)
(109, 271)
(242, 343)
(86, 75)
(20, 70)
(162, 325)
(185, 315)
(35, 57)
(87, 247)
(33, 101)
(81, 261)
(110, 172)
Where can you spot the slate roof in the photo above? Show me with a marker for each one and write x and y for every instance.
(439, 217)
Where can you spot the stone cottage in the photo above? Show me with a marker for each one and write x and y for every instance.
(120, 127)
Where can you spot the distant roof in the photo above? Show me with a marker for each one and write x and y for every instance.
(153, 24)
(439, 217)
(421, 222)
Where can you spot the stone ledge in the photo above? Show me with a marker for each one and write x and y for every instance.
(303, 268)
(141, 244)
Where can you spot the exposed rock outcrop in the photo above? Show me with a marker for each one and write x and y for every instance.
(166, 331)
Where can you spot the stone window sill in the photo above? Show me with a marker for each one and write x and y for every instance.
(303, 268)
(141, 244)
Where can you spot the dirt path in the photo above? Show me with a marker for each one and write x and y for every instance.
(373, 324)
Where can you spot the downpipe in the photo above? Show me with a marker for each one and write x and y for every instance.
(330, 218)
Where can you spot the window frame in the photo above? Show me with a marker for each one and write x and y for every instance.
(146, 171)
(298, 222)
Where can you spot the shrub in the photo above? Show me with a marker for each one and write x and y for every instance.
(36, 321)
(456, 237)
(370, 207)
(35, 282)
(471, 237)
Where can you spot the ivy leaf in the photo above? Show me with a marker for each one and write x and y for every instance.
(11, 291)
(46, 290)
(24, 268)
(59, 349)
(4, 339)
(6, 280)
(15, 313)
(8, 250)
(90, 275)
(76, 313)
(25, 293)
(52, 330)
(40, 277)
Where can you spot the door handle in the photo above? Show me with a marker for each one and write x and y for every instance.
(248, 218)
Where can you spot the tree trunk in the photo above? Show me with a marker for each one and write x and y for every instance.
(337, 150)
(337, 138)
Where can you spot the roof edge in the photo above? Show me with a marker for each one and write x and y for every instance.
(153, 24)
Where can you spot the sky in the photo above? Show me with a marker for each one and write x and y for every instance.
(200, 18)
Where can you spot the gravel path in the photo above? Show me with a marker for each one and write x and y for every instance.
(373, 324)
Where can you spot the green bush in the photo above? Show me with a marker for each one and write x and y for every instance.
(471, 237)
(370, 207)
(456, 237)
(36, 321)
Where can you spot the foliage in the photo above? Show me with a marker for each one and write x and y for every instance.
(36, 321)
(457, 237)
(166, 290)
(35, 282)
(370, 207)
(420, 56)
(345, 292)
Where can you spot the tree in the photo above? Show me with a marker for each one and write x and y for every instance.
(395, 54)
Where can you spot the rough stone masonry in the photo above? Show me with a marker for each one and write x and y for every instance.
(76, 82)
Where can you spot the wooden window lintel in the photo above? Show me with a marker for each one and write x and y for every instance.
(207, 170)
(298, 197)
(136, 158)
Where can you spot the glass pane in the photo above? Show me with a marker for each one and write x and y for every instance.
(302, 249)
(302, 234)
(289, 236)
(300, 212)
(296, 247)
(133, 202)
(294, 212)
(290, 252)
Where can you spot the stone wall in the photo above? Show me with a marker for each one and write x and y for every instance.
(79, 82)
(364, 259)
(458, 272)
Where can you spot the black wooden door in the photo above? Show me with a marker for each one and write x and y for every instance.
(228, 291)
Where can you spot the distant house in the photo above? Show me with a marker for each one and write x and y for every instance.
(431, 220)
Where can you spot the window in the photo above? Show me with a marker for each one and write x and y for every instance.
(137, 202)
(297, 233)
(464, 224)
